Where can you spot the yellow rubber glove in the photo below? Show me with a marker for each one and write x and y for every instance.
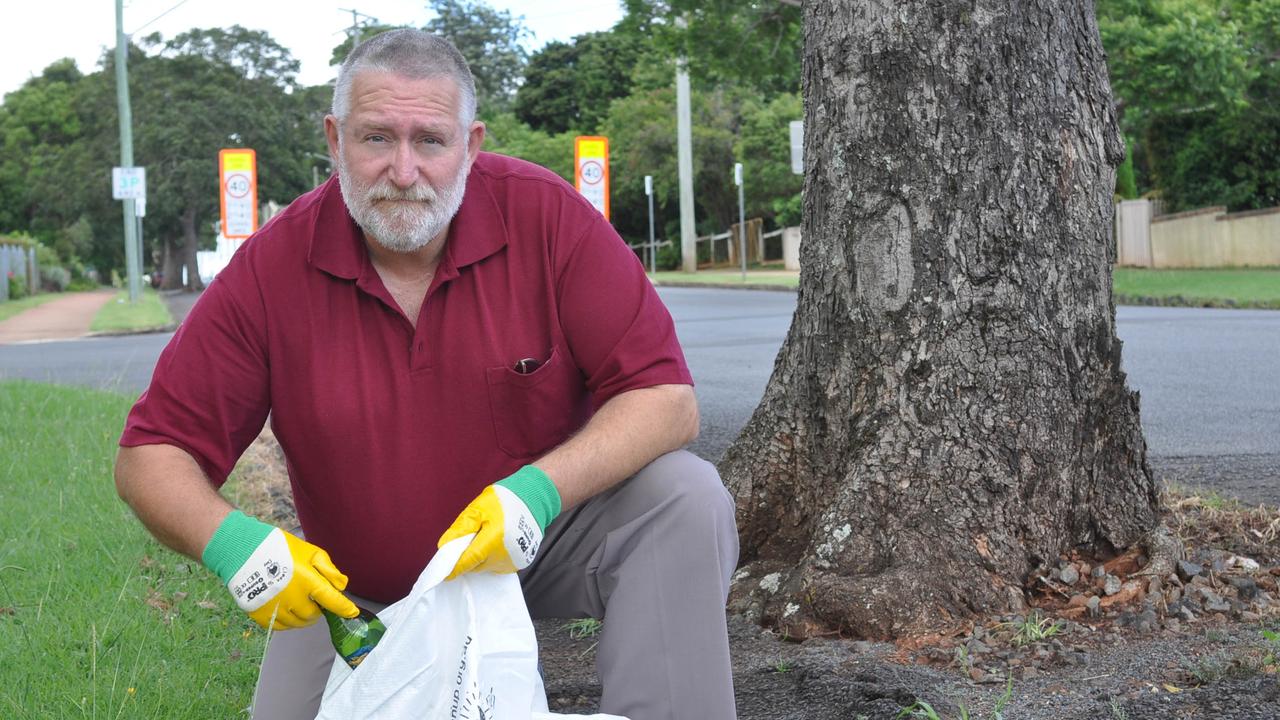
(270, 573)
(508, 519)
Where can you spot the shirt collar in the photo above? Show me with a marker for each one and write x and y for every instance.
(477, 231)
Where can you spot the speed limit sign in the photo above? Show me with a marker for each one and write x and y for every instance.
(591, 170)
(238, 173)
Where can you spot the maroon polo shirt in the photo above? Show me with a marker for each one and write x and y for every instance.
(389, 430)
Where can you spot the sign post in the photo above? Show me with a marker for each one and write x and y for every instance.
(238, 176)
(653, 249)
(591, 170)
(797, 146)
(130, 185)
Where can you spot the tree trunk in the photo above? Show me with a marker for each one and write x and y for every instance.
(948, 412)
(171, 264)
(191, 245)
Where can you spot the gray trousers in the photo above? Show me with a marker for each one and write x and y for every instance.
(651, 557)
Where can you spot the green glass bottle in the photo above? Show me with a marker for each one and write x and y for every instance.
(353, 638)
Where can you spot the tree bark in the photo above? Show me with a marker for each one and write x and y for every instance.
(948, 412)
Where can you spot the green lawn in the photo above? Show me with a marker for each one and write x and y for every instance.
(727, 278)
(1223, 287)
(1226, 287)
(9, 308)
(97, 620)
(120, 315)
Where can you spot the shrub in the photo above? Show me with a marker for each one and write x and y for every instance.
(54, 278)
(17, 286)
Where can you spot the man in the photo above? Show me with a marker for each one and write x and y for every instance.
(447, 342)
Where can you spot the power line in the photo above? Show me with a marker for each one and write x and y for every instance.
(166, 12)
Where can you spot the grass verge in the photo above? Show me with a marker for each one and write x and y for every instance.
(121, 316)
(1255, 288)
(729, 279)
(97, 620)
(9, 308)
(1259, 288)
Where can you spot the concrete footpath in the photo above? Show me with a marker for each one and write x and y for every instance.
(62, 319)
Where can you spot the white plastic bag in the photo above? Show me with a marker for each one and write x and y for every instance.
(462, 650)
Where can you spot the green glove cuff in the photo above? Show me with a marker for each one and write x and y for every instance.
(536, 491)
(232, 544)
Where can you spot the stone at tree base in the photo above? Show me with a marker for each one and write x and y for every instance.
(1069, 575)
(1111, 585)
(1188, 570)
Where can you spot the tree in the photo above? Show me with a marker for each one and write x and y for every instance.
(948, 413)
(753, 44)
(570, 86)
(177, 137)
(1197, 84)
(490, 40)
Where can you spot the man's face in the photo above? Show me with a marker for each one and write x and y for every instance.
(403, 157)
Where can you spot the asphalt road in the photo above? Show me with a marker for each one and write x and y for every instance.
(1207, 378)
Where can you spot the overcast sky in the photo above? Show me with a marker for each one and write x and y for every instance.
(41, 31)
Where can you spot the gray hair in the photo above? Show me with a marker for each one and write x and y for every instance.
(414, 54)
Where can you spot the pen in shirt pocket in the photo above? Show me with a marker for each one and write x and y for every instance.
(526, 366)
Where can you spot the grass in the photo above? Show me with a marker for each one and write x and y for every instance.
(1218, 287)
(726, 278)
(1034, 628)
(120, 315)
(9, 308)
(97, 620)
(583, 628)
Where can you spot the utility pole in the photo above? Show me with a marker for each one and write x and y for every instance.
(355, 25)
(131, 253)
(684, 143)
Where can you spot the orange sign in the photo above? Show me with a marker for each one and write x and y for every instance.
(591, 170)
(238, 176)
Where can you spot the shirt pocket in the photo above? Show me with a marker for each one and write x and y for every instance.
(533, 412)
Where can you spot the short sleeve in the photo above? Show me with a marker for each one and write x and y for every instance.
(620, 333)
(209, 394)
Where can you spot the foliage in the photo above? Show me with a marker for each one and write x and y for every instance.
(491, 41)
(1198, 88)
(187, 103)
(764, 149)
(756, 44)
(54, 278)
(17, 286)
(570, 86)
(1126, 182)
(507, 135)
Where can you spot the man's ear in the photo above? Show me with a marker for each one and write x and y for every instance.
(331, 135)
(475, 138)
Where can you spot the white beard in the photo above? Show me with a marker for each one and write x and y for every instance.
(421, 213)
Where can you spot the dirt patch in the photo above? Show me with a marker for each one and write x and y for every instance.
(1193, 632)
